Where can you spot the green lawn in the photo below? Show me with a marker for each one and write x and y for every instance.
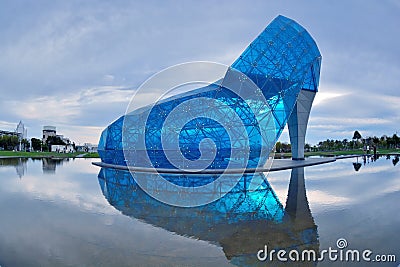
(340, 153)
(91, 155)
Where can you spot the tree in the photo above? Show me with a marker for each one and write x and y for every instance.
(54, 140)
(36, 144)
(8, 142)
(396, 140)
(307, 147)
(356, 135)
(375, 140)
(278, 147)
(25, 143)
(357, 166)
(286, 147)
(344, 143)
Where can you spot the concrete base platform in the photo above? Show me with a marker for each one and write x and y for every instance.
(284, 164)
(277, 165)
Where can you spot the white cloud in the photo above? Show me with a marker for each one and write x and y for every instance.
(334, 123)
(108, 78)
(65, 108)
(81, 134)
(322, 97)
(77, 116)
(45, 108)
(7, 126)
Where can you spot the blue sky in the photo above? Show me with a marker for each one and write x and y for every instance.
(76, 64)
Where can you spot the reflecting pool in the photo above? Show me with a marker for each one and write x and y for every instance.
(71, 213)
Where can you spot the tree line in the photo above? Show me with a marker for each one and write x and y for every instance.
(356, 142)
(39, 145)
(11, 142)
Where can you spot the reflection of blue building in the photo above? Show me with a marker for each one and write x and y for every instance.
(283, 63)
(241, 222)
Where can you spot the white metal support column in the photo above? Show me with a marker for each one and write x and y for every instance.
(298, 121)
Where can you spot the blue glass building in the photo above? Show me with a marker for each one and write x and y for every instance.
(278, 76)
(241, 222)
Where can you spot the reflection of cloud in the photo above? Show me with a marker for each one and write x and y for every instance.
(65, 220)
(338, 185)
(332, 172)
(341, 180)
(67, 186)
(324, 198)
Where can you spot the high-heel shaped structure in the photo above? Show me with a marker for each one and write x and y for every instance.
(242, 222)
(277, 76)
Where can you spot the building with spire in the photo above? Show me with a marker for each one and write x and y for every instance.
(21, 131)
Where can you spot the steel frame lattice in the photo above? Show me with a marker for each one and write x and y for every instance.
(228, 221)
(240, 204)
(283, 60)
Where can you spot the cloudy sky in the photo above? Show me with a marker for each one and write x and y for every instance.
(76, 64)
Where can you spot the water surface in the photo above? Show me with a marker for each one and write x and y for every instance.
(70, 213)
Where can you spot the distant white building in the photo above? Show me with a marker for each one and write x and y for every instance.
(21, 131)
(48, 131)
(87, 147)
(7, 133)
(90, 147)
(62, 148)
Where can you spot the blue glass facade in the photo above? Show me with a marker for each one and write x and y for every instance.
(280, 62)
(242, 222)
(121, 189)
